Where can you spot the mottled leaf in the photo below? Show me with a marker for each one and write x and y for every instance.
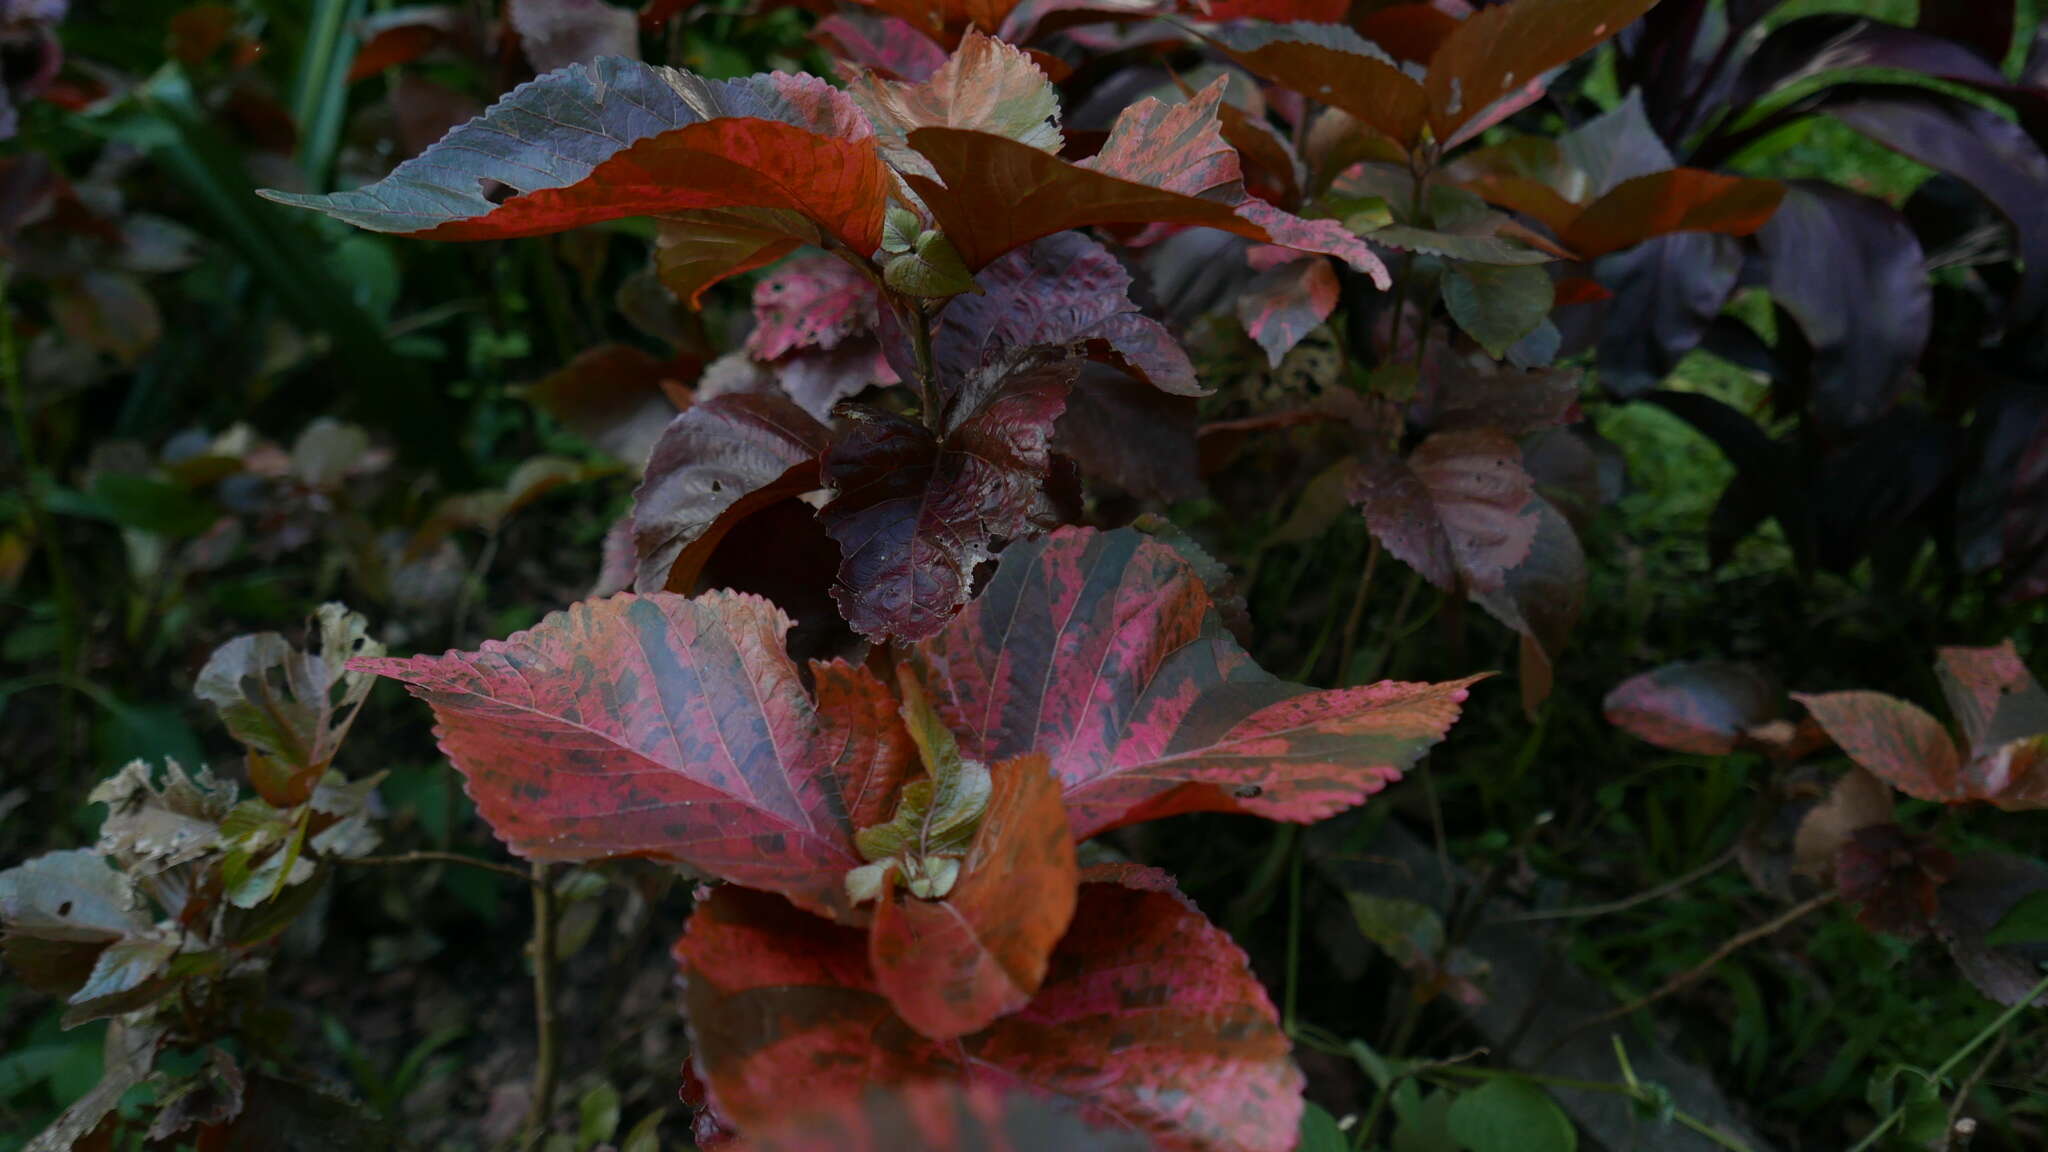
(953, 966)
(721, 461)
(290, 708)
(1676, 200)
(915, 510)
(694, 250)
(811, 302)
(1994, 698)
(616, 138)
(1148, 1020)
(1104, 652)
(1289, 297)
(937, 1117)
(884, 45)
(58, 912)
(650, 726)
(1984, 888)
(985, 85)
(1457, 510)
(1706, 707)
(1063, 289)
(1898, 742)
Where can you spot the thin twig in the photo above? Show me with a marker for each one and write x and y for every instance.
(1947, 1066)
(1588, 911)
(437, 858)
(1351, 622)
(543, 999)
(1729, 947)
(1969, 1084)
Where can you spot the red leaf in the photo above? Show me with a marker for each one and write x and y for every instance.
(1409, 31)
(718, 463)
(864, 737)
(1336, 66)
(1894, 877)
(938, 1117)
(694, 250)
(1898, 742)
(1148, 1019)
(1541, 598)
(1062, 289)
(1104, 652)
(915, 510)
(402, 36)
(1166, 164)
(1286, 301)
(1705, 708)
(810, 302)
(616, 138)
(953, 966)
(650, 726)
(985, 86)
(1501, 53)
(1676, 200)
(1457, 510)
(1316, 11)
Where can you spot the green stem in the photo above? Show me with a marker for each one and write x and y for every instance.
(1957, 1057)
(543, 999)
(1289, 996)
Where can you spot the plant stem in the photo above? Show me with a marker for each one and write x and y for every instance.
(1588, 911)
(1955, 1058)
(543, 999)
(921, 349)
(1351, 622)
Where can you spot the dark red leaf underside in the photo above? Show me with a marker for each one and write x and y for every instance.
(1148, 1019)
(1104, 652)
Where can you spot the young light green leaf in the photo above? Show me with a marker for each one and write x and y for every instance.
(932, 269)
(2024, 923)
(900, 227)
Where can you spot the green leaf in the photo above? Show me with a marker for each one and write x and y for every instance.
(900, 227)
(598, 1114)
(1410, 933)
(1511, 1116)
(1319, 1132)
(1476, 249)
(2026, 922)
(1497, 305)
(935, 818)
(933, 269)
(646, 1135)
(1422, 1123)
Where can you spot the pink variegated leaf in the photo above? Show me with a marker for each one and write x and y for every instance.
(811, 302)
(1706, 707)
(1994, 698)
(652, 726)
(1104, 651)
(1148, 1020)
(1897, 741)
(883, 45)
(1286, 301)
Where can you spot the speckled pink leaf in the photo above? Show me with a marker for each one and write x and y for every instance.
(952, 966)
(721, 461)
(1994, 698)
(649, 726)
(884, 45)
(1898, 742)
(1063, 289)
(1149, 1020)
(1162, 164)
(810, 302)
(864, 738)
(1286, 301)
(915, 511)
(617, 138)
(1704, 707)
(1104, 651)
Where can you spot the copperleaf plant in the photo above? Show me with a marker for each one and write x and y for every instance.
(906, 838)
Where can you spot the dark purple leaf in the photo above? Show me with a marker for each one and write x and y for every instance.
(1063, 289)
(2002, 510)
(719, 462)
(1667, 290)
(1866, 310)
(1832, 42)
(1986, 25)
(1984, 887)
(1131, 436)
(915, 510)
